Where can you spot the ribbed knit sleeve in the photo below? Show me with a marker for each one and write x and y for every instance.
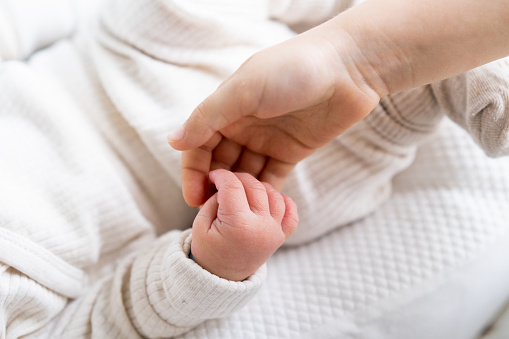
(478, 101)
(156, 293)
(352, 176)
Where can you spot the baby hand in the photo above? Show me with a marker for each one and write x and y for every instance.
(241, 226)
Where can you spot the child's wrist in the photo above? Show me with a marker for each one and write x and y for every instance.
(220, 266)
(374, 62)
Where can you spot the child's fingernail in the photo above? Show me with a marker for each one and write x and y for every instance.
(177, 134)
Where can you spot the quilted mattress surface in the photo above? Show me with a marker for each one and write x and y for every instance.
(430, 263)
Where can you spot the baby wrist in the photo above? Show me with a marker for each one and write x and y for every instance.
(188, 285)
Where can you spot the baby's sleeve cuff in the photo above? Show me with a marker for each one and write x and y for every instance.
(197, 293)
(405, 118)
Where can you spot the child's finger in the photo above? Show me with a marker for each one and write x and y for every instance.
(250, 162)
(255, 193)
(206, 216)
(231, 195)
(225, 155)
(291, 217)
(275, 172)
(276, 203)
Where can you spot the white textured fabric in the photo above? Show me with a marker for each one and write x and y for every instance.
(430, 263)
(27, 26)
(34, 24)
(8, 38)
(463, 99)
(91, 219)
(306, 12)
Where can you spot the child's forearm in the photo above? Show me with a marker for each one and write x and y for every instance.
(401, 44)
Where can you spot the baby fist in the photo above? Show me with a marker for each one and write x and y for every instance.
(241, 226)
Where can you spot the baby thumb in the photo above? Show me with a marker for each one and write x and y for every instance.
(206, 216)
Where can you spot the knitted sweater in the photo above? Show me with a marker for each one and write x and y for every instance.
(94, 233)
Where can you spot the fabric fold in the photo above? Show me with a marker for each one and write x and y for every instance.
(478, 101)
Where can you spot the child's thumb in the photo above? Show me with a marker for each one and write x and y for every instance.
(205, 217)
(225, 106)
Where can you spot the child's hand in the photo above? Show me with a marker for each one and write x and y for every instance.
(241, 226)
